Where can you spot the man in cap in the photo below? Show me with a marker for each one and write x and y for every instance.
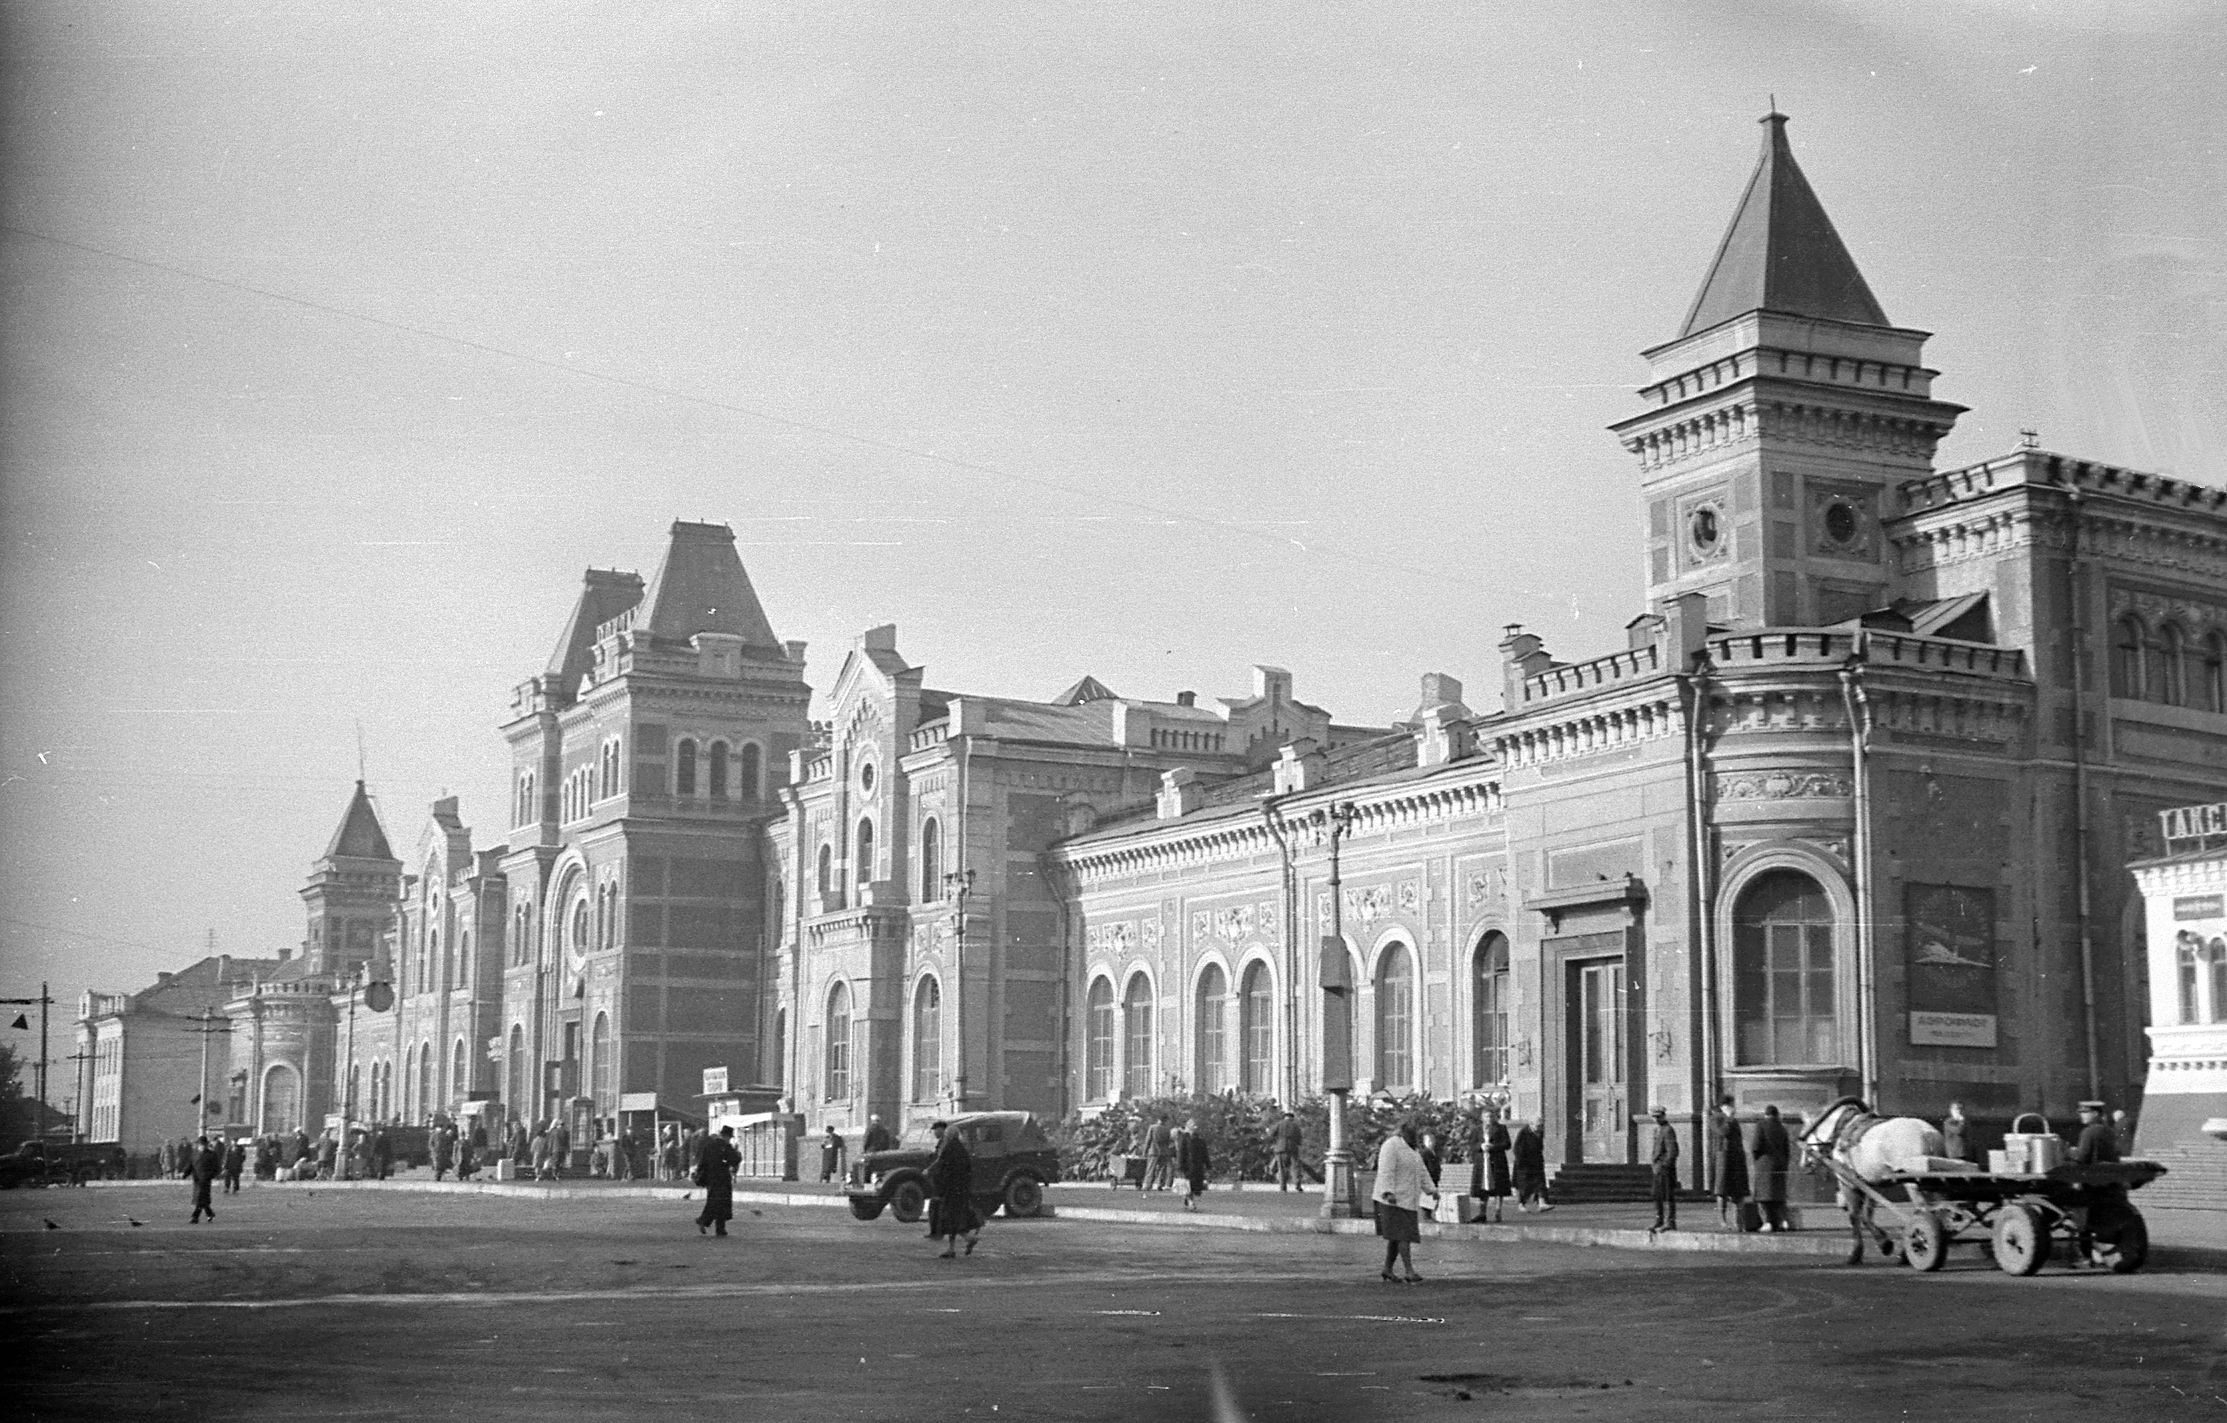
(207, 1164)
(1662, 1159)
(2098, 1143)
(878, 1137)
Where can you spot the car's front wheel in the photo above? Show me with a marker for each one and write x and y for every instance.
(866, 1208)
(908, 1201)
(1024, 1196)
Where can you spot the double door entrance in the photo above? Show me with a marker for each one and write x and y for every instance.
(1599, 1058)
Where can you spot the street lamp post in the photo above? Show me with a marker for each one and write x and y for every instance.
(377, 996)
(1336, 972)
(960, 883)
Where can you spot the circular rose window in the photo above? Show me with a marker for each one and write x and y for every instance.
(1840, 523)
(1705, 529)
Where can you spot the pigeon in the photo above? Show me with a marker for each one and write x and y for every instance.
(135, 1223)
(50, 1225)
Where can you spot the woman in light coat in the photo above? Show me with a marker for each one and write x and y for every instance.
(1401, 1184)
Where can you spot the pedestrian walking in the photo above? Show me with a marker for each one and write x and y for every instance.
(1285, 1143)
(206, 1165)
(382, 1155)
(560, 1149)
(521, 1142)
(1768, 1160)
(1159, 1156)
(1196, 1162)
(622, 1154)
(444, 1152)
(1953, 1132)
(1401, 1184)
(951, 1212)
(540, 1148)
(831, 1154)
(235, 1161)
(1662, 1159)
(467, 1156)
(1488, 1180)
(1728, 1162)
(328, 1155)
(878, 1138)
(715, 1172)
(1528, 1158)
(668, 1151)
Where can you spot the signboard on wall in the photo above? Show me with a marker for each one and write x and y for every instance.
(1950, 944)
(715, 1081)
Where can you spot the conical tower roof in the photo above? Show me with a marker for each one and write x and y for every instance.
(1781, 253)
(701, 587)
(359, 836)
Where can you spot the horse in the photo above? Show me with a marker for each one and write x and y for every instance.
(1873, 1148)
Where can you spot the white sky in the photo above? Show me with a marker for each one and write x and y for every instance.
(1142, 340)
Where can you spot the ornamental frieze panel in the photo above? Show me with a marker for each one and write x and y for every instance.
(1151, 932)
(1782, 785)
(2155, 608)
(1115, 940)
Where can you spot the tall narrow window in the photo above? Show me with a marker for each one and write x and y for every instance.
(602, 1068)
(425, 1082)
(747, 779)
(838, 1085)
(2188, 958)
(1490, 1024)
(1395, 1021)
(684, 768)
(1257, 1030)
(520, 1086)
(2215, 953)
(927, 1041)
(719, 770)
(2211, 687)
(827, 876)
(1099, 1041)
(2171, 686)
(931, 861)
(2126, 658)
(1213, 1030)
(863, 872)
(1136, 1014)
(1782, 967)
(459, 1082)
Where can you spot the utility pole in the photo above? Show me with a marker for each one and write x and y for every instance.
(44, 1001)
(207, 1030)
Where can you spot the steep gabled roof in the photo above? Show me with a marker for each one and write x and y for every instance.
(605, 593)
(1781, 253)
(1089, 689)
(700, 587)
(359, 836)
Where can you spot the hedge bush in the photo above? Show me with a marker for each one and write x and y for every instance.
(1238, 1131)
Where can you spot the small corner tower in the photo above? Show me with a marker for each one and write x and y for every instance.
(351, 891)
(1778, 419)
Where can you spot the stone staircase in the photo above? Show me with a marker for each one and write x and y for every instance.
(1599, 1182)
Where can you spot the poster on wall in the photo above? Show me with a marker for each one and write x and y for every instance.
(1951, 944)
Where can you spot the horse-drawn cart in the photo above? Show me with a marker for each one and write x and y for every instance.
(2020, 1217)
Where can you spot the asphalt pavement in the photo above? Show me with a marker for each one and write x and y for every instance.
(314, 1302)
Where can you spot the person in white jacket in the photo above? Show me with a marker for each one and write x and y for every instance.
(1401, 1184)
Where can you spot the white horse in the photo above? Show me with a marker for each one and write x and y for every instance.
(1873, 1148)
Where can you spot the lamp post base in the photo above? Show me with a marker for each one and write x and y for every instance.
(1338, 1199)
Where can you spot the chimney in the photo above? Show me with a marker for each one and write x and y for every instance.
(1186, 699)
(1685, 630)
(1522, 655)
(1300, 766)
(1442, 730)
(1180, 792)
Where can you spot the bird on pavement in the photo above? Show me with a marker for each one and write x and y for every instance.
(50, 1225)
(135, 1223)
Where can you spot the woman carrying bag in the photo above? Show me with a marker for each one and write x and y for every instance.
(1401, 1184)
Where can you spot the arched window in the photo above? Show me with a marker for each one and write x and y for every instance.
(580, 941)
(1213, 1029)
(1782, 973)
(425, 1082)
(2211, 683)
(2167, 684)
(1256, 1006)
(2216, 952)
(827, 875)
(863, 874)
(719, 770)
(426, 960)
(521, 941)
(748, 775)
(352, 1104)
(282, 1098)
(1136, 1014)
(464, 960)
(838, 1085)
(684, 769)
(519, 1090)
(1489, 1009)
(931, 861)
(2126, 658)
(927, 1041)
(409, 1080)
(603, 1072)
(781, 1048)
(1098, 1040)
(459, 1072)
(1395, 1021)
(2188, 957)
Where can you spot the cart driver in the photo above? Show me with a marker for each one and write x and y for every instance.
(2098, 1143)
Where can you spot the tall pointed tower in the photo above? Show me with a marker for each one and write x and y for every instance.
(351, 891)
(1777, 417)
(646, 761)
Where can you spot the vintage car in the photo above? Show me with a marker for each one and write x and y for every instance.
(1013, 1162)
(54, 1162)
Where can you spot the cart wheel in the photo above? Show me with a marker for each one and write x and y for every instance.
(1924, 1245)
(2021, 1240)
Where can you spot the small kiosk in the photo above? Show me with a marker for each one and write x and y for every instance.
(766, 1136)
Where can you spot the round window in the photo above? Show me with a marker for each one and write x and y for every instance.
(1840, 522)
(866, 778)
(1705, 529)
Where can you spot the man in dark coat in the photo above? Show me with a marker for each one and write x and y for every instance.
(1159, 1156)
(206, 1165)
(444, 1152)
(831, 1154)
(560, 1148)
(382, 1155)
(1662, 1158)
(1529, 1167)
(1772, 1155)
(1728, 1161)
(878, 1137)
(951, 1211)
(715, 1172)
(235, 1161)
(1194, 1161)
(1286, 1141)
